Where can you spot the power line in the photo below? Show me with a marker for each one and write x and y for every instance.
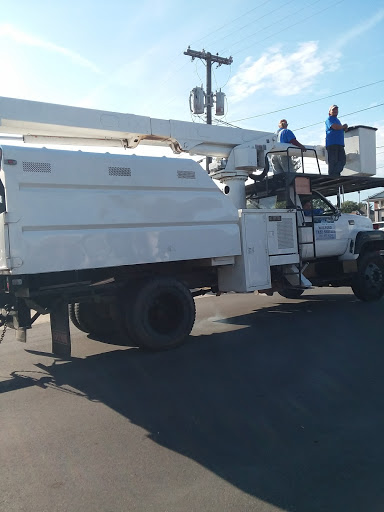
(229, 76)
(286, 28)
(227, 124)
(344, 115)
(213, 32)
(232, 21)
(308, 102)
(260, 18)
(271, 25)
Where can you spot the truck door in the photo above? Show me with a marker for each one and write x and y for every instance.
(330, 228)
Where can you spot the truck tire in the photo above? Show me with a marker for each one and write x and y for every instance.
(160, 314)
(368, 282)
(72, 316)
(291, 293)
(93, 318)
(118, 323)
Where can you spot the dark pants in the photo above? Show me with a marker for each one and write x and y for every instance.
(336, 159)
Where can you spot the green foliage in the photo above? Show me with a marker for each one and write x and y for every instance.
(352, 206)
(317, 204)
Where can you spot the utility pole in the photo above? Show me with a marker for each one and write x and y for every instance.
(209, 58)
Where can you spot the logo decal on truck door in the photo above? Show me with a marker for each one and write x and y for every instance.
(325, 229)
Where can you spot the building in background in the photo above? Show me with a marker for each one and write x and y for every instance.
(378, 209)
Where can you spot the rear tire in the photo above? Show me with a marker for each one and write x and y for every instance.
(160, 314)
(117, 309)
(291, 293)
(93, 318)
(368, 282)
(72, 316)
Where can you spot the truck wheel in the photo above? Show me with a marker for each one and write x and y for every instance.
(368, 282)
(118, 323)
(160, 314)
(291, 293)
(93, 318)
(72, 316)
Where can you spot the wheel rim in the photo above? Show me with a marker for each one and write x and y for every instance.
(373, 276)
(165, 313)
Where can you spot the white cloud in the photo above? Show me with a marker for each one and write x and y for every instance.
(284, 74)
(359, 29)
(20, 37)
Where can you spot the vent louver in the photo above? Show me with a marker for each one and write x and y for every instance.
(285, 237)
(119, 171)
(36, 167)
(186, 175)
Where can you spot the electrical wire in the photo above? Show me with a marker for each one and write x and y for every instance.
(308, 102)
(344, 115)
(321, 122)
(260, 18)
(293, 13)
(286, 28)
(214, 77)
(166, 80)
(229, 76)
(227, 124)
(232, 21)
(197, 73)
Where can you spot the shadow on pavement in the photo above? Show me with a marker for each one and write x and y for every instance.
(288, 409)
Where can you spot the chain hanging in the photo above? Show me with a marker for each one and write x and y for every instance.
(4, 331)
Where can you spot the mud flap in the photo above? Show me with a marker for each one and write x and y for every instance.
(21, 335)
(61, 338)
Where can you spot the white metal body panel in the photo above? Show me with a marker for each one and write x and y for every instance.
(71, 210)
(284, 259)
(251, 270)
(268, 237)
(360, 148)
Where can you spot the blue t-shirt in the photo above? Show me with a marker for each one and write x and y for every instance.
(333, 136)
(284, 135)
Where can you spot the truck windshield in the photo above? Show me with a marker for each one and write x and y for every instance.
(318, 204)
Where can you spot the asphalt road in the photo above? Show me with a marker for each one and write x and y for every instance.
(271, 405)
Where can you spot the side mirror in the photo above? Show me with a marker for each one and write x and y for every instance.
(337, 213)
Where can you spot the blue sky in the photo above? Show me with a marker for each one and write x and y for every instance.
(127, 56)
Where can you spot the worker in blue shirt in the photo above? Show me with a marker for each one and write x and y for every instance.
(287, 136)
(281, 163)
(334, 142)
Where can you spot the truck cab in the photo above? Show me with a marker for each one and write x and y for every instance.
(335, 248)
(333, 229)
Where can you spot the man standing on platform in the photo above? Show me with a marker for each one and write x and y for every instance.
(334, 142)
(283, 163)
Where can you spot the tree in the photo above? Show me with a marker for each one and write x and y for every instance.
(352, 206)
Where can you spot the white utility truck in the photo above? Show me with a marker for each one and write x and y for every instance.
(127, 241)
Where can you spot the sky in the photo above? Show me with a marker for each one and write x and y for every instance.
(291, 59)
